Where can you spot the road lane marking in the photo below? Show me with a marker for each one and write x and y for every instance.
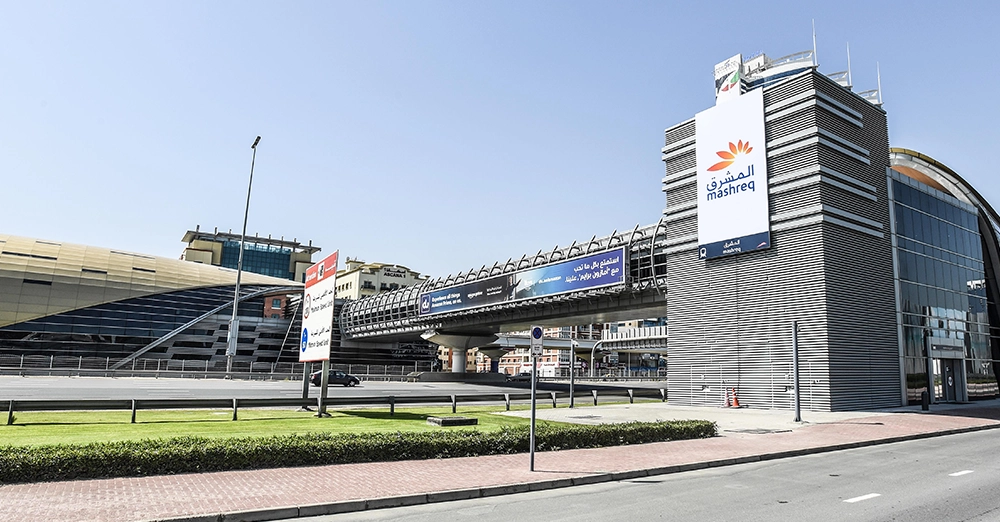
(960, 473)
(862, 497)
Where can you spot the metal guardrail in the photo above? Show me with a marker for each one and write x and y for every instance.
(235, 404)
(102, 367)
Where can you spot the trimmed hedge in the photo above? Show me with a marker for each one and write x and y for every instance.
(197, 454)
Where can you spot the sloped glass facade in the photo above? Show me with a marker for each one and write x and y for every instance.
(941, 293)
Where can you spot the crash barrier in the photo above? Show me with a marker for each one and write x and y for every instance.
(136, 405)
(51, 365)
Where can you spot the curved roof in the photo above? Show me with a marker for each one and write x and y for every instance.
(40, 278)
(929, 171)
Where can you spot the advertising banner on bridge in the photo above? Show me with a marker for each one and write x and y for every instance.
(317, 310)
(733, 215)
(581, 273)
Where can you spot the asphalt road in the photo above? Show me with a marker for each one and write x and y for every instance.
(942, 479)
(59, 388)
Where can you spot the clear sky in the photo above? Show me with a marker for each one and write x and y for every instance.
(437, 135)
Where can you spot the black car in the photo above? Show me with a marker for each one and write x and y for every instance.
(521, 377)
(336, 377)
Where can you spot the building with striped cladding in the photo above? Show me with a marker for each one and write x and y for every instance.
(886, 308)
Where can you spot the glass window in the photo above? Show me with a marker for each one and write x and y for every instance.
(275, 303)
(921, 266)
(925, 229)
(903, 267)
(908, 220)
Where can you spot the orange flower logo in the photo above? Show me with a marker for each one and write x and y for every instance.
(729, 156)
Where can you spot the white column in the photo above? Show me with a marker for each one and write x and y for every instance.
(459, 358)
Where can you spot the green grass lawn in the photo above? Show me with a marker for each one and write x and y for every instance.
(72, 427)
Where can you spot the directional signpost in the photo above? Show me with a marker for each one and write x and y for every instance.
(536, 350)
(317, 321)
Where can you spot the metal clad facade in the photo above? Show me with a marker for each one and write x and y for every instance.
(830, 265)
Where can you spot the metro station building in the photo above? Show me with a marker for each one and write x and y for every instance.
(61, 300)
(885, 258)
(785, 205)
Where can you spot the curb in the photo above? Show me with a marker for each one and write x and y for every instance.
(348, 506)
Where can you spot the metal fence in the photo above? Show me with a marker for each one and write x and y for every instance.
(101, 366)
(135, 405)
(615, 373)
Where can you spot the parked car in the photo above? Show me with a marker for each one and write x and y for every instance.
(336, 377)
(521, 377)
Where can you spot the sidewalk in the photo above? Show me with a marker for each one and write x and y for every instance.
(745, 436)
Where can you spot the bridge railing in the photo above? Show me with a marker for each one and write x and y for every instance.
(136, 405)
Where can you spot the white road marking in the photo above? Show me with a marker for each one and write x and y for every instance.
(960, 473)
(862, 497)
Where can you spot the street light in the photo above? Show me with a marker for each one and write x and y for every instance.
(593, 352)
(234, 323)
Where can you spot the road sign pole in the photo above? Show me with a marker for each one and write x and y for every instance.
(324, 385)
(536, 350)
(531, 443)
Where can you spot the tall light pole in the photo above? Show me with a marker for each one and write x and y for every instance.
(234, 323)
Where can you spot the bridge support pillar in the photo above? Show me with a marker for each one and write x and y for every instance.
(458, 345)
(494, 354)
(459, 360)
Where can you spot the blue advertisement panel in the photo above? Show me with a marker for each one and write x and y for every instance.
(734, 246)
(581, 273)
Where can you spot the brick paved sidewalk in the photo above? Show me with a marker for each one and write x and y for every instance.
(289, 492)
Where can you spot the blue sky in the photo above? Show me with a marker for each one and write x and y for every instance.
(437, 135)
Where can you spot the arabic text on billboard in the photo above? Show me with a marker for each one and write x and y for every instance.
(733, 215)
(592, 271)
(317, 310)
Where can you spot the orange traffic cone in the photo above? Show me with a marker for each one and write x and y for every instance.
(736, 400)
(726, 403)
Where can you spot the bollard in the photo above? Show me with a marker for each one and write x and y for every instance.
(392, 405)
(133, 411)
(594, 392)
(553, 394)
(663, 395)
(454, 403)
(506, 400)
(631, 397)
(234, 408)
(10, 413)
(925, 401)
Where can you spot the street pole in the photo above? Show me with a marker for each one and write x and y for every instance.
(324, 389)
(572, 368)
(234, 323)
(531, 442)
(795, 369)
(537, 348)
(593, 353)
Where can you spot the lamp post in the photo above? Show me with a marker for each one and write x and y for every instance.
(234, 323)
(593, 353)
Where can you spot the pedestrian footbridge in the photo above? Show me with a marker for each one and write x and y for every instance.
(617, 277)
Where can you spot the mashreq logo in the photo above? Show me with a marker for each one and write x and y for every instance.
(729, 156)
(731, 184)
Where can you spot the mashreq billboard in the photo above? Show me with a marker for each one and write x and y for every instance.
(733, 215)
